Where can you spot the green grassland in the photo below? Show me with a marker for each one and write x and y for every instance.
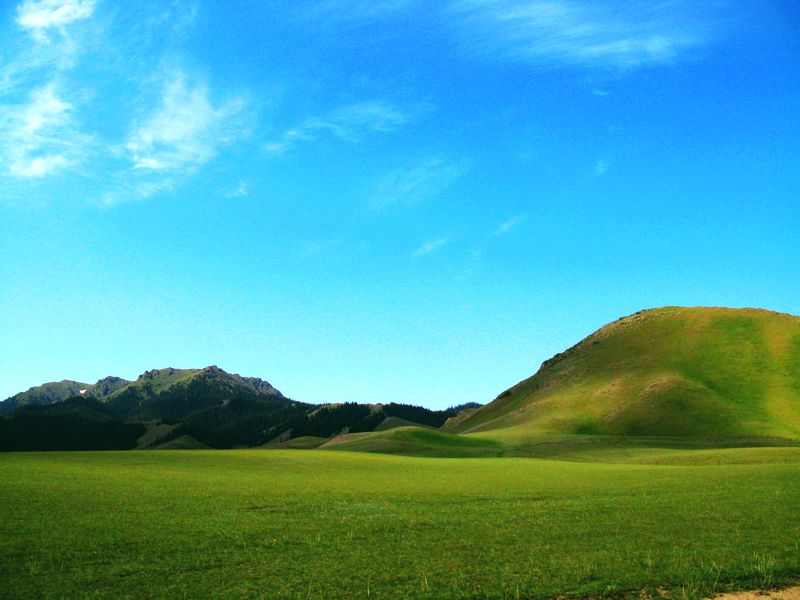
(329, 524)
(658, 457)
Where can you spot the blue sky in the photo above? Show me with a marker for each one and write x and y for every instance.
(386, 200)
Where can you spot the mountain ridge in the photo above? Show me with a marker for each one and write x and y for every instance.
(107, 387)
(209, 405)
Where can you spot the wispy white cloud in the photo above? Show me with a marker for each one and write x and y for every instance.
(600, 167)
(48, 43)
(179, 131)
(240, 191)
(430, 247)
(348, 123)
(40, 132)
(615, 34)
(126, 188)
(180, 15)
(40, 137)
(508, 225)
(416, 184)
(184, 129)
(41, 15)
(179, 124)
(600, 92)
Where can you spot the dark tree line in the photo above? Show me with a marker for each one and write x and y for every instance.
(331, 420)
(75, 424)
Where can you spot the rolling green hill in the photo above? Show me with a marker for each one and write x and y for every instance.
(416, 441)
(395, 422)
(675, 372)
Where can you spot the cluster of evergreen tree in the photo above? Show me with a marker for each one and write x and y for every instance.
(74, 424)
(352, 417)
(243, 421)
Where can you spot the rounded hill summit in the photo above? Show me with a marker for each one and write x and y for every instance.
(673, 371)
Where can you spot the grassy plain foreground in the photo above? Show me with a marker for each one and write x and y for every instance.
(327, 524)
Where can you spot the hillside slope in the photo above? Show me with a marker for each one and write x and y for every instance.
(47, 393)
(665, 372)
(57, 391)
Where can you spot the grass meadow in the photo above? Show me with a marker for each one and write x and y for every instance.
(328, 524)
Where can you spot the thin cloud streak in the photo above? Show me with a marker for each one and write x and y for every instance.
(348, 123)
(555, 33)
(430, 247)
(128, 188)
(507, 226)
(414, 185)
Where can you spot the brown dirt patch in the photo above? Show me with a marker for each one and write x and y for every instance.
(787, 594)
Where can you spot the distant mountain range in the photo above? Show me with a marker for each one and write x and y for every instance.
(199, 407)
(673, 375)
